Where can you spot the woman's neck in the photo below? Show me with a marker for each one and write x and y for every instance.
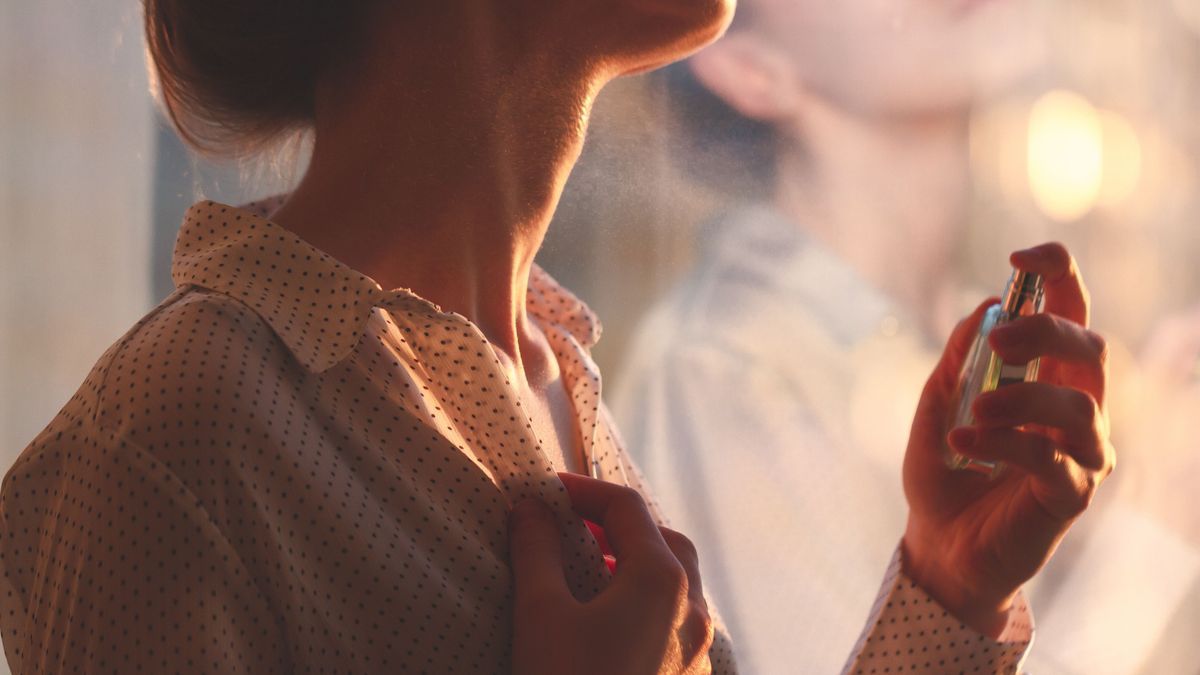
(439, 172)
(888, 197)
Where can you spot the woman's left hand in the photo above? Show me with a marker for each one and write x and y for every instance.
(652, 619)
(971, 541)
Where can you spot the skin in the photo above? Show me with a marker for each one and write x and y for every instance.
(892, 59)
(653, 617)
(970, 542)
(441, 151)
(973, 542)
(870, 102)
(457, 211)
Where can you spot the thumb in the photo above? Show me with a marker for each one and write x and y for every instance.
(929, 423)
(535, 546)
(945, 375)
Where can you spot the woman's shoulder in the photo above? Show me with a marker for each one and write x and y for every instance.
(175, 358)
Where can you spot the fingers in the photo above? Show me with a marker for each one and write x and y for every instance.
(1066, 294)
(925, 452)
(1075, 413)
(1033, 452)
(623, 514)
(696, 633)
(1065, 488)
(945, 374)
(536, 553)
(685, 553)
(657, 567)
(1048, 335)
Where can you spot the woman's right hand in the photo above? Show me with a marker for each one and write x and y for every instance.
(651, 620)
(971, 542)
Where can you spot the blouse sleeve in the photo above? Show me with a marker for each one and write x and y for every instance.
(909, 632)
(110, 564)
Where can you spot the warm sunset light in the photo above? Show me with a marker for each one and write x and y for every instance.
(301, 364)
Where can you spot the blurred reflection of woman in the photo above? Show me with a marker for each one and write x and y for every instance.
(770, 392)
(305, 459)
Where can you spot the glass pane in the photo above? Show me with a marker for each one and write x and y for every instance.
(779, 235)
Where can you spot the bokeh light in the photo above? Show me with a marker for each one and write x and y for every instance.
(1122, 159)
(1065, 155)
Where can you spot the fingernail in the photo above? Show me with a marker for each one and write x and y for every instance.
(963, 438)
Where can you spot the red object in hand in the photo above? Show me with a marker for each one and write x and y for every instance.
(598, 533)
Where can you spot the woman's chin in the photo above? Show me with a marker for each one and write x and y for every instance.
(671, 30)
(705, 20)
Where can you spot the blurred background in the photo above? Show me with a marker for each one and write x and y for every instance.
(778, 236)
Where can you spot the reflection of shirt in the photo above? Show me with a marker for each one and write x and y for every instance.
(763, 400)
(285, 468)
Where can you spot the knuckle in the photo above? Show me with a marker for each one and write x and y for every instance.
(1048, 459)
(1099, 347)
(1087, 490)
(1085, 483)
(699, 629)
(1082, 502)
(681, 544)
(661, 579)
(628, 498)
(1085, 408)
(1060, 461)
(699, 618)
(668, 580)
(1075, 505)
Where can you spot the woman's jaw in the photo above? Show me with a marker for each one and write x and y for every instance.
(649, 34)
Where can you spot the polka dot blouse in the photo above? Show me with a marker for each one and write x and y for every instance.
(284, 468)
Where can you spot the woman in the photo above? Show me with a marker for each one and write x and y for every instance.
(776, 383)
(286, 467)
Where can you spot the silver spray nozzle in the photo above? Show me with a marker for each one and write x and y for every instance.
(1023, 293)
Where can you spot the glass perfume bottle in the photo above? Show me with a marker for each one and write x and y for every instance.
(984, 371)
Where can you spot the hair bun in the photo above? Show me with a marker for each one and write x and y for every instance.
(235, 76)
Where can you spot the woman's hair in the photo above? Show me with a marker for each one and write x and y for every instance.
(235, 76)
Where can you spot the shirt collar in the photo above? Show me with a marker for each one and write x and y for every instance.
(318, 306)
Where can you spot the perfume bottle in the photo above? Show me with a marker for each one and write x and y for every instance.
(984, 371)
